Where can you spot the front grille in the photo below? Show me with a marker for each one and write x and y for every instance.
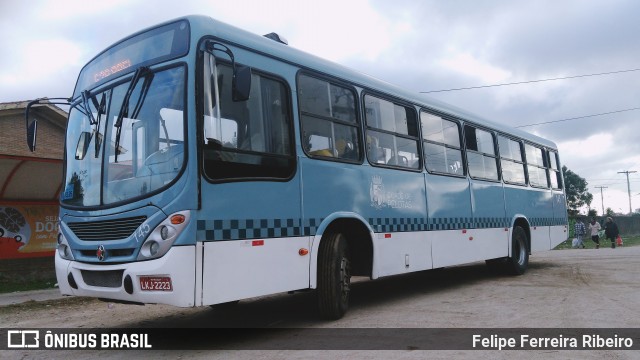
(109, 252)
(106, 229)
(110, 278)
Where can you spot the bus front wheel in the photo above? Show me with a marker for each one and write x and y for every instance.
(519, 259)
(334, 276)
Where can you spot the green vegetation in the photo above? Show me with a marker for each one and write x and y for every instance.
(8, 286)
(632, 240)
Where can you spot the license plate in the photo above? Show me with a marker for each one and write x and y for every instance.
(155, 283)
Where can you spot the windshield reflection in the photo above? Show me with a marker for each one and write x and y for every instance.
(142, 155)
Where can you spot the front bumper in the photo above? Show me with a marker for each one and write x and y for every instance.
(108, 281)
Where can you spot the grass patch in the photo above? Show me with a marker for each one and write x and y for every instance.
(14, 286)
(30, 306)
(632, 240)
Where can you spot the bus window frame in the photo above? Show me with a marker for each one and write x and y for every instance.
(495, 156)
(200, 93)
(367, 128)
(357, 125)
(556, 172)
(463, 153)
(523, 162)
(544, 167)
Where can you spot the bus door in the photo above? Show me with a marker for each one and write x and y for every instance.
(449, 214)
(540, 198)
(487, 195)
(558, 232)
(250, 222)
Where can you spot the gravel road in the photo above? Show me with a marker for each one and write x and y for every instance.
(561, 289)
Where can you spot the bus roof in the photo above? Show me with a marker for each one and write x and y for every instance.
(204, 25)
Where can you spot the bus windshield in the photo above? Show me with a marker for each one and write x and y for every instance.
(107, 163)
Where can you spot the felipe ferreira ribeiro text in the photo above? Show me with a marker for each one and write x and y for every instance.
(585, 341)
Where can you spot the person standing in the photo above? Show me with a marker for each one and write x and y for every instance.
(594, 228)
(611, 231)
(578, 231)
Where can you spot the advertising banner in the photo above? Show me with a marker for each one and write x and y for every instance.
(28, 230)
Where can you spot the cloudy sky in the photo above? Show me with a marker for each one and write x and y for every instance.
(421, 45)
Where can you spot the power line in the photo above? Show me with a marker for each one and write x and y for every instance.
(579, 117)
(530, 81)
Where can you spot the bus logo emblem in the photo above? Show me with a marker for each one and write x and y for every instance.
(376, 191)
(101, 253)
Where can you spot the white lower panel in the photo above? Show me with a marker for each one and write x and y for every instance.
(558, 234)
(178, 264)
(540, 238)
(398, 253)
(455, 247)
(240, 269)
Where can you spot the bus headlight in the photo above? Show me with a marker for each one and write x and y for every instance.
(163, 236)
(63, 248)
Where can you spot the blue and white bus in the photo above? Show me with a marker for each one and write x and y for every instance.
(205, 164)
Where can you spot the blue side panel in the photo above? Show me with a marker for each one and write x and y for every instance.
(487, 202)
(535, 204)
(389, 200)
(235, 211)
(395, 200)
(516, 201)
(449, 203)
(559, 208)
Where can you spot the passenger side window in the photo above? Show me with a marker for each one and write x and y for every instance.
(536, 166)
(481, 154)
(329, 121)
(246, 139)
(511, 161)
(442, 149)
(392, 134)
(554, 170)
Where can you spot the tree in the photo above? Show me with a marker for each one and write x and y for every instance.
(576, 190)
(592, 213)
(609, 212)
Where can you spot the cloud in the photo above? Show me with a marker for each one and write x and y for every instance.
(418, 45)
(467, 64)
(42, 59)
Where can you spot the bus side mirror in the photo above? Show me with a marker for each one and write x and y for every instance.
(241, 84)
(32, 128)
(32, 135)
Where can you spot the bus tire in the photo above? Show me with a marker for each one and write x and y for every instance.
(334, 277)
(519, 259)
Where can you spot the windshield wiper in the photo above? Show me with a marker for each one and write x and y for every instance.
(95, 121)
(102, 107)
(142, 71)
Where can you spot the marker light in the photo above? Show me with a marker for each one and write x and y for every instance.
(177, 219)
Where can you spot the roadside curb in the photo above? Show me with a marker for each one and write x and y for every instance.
(20, 297)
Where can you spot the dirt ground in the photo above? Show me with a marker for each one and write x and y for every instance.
(561, 289)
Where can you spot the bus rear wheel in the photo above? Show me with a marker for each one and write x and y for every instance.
(519, 259)
(334, 277)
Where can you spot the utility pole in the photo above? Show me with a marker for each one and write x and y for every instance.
(628, 187)
(602, 198)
